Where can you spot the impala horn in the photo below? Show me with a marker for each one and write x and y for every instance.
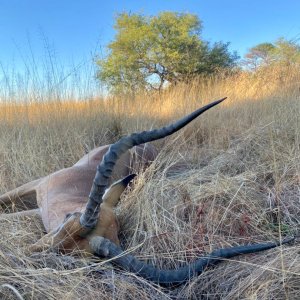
(104, 170)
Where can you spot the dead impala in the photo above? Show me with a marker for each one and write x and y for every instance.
(66, 191)
(78, 220)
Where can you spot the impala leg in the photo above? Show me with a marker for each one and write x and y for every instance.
(21, 214)
(23, 197)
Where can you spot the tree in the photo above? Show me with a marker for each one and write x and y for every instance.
(282, 51)
(287, 51)
(148, 52)
(259, 55)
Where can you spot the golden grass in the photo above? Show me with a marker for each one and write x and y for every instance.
(236, 181)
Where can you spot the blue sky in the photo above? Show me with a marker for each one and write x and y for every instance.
(77, 28)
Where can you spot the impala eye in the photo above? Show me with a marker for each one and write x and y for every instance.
(68, 215)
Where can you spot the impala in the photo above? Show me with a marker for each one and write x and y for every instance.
(94, 229)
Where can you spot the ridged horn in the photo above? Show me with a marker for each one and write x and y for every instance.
(104, 170)
(104, 248)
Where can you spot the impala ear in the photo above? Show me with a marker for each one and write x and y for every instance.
(112, 195)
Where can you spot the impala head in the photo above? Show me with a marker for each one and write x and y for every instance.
(71, 235)
(98, 219)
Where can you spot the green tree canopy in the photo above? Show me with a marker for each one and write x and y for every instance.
(266, 54)
(147, 52)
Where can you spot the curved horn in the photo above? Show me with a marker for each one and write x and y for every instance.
(104, 170)
(104, 248)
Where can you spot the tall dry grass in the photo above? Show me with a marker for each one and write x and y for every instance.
(229, 178)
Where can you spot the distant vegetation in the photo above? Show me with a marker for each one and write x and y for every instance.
(149, 52)
(282, 51)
